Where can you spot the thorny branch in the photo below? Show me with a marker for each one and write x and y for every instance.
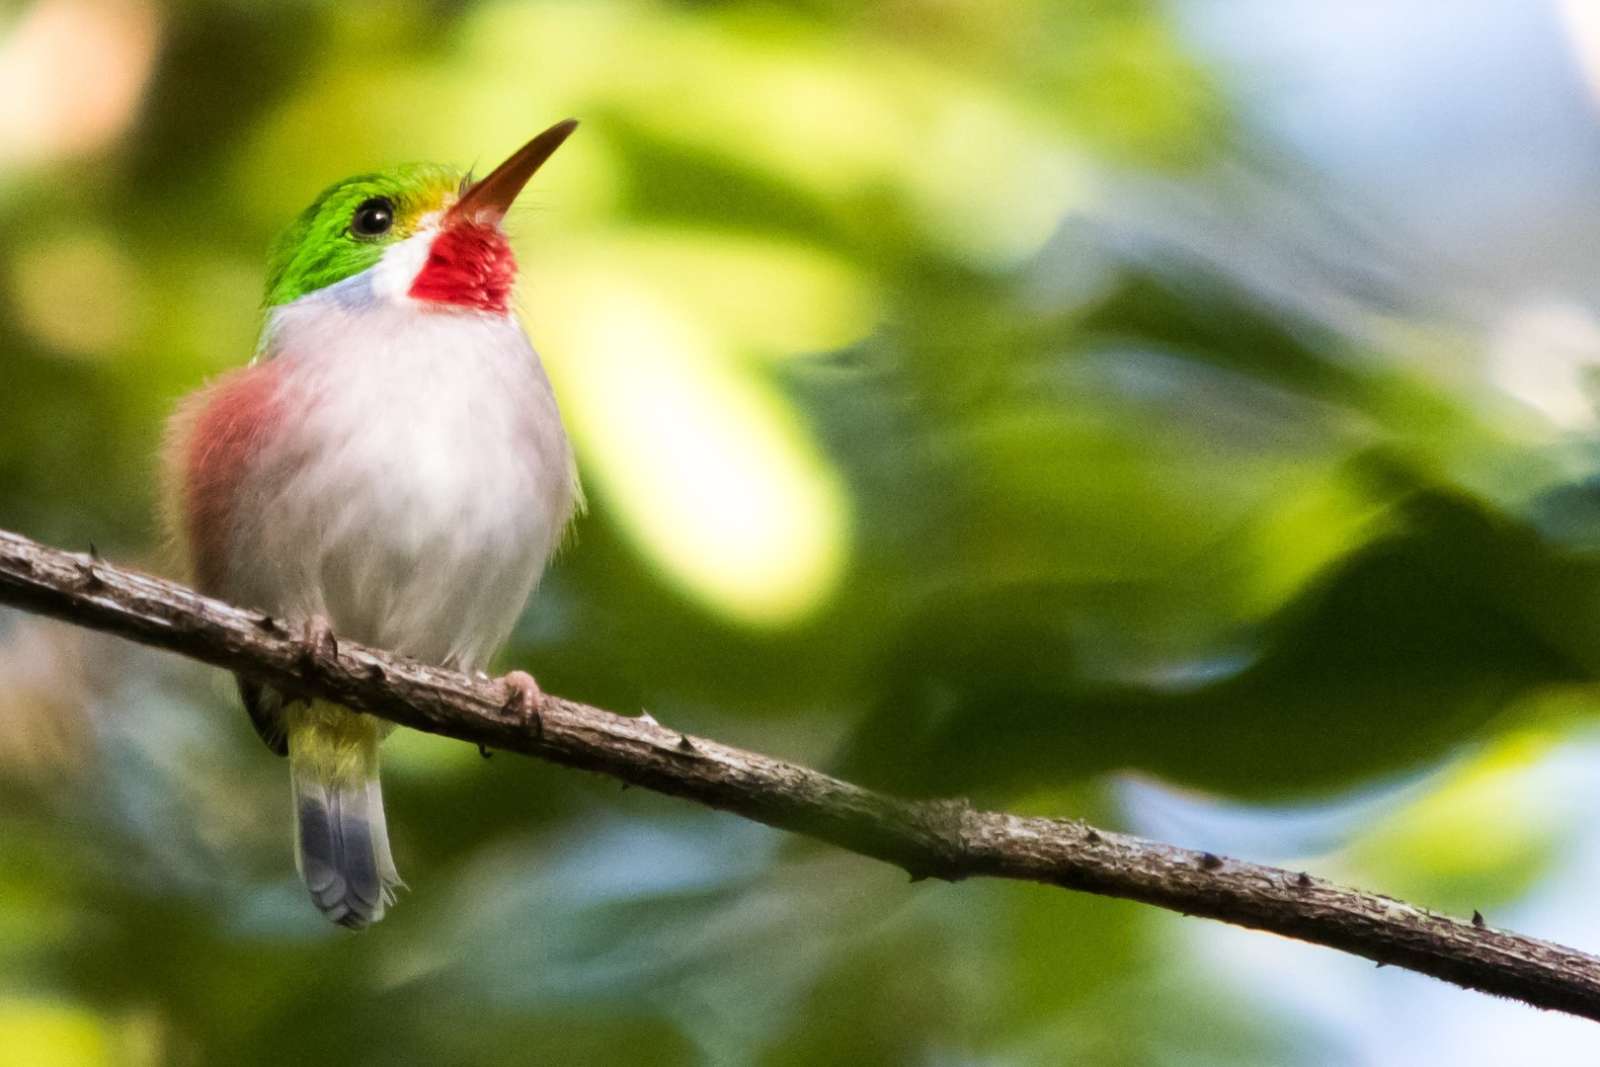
(945, 839)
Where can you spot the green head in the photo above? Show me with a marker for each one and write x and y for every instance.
(349, 227)
(447, 224)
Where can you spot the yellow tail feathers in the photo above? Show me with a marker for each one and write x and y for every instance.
(341, 838)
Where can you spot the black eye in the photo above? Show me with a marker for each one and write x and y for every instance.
(372, 217)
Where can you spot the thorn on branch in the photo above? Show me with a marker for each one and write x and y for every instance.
(1210, 860)
(1303, 881)
(1091, 835)
(483, 750)
(317, 644)
(686, 745)
(1477, 918)
(86, 572)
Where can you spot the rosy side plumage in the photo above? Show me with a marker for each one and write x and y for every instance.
(211, 442)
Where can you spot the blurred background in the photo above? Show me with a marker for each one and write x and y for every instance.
(1179, 415)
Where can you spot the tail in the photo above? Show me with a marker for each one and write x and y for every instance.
(341, 842)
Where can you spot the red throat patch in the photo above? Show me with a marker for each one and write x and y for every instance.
(469, 265)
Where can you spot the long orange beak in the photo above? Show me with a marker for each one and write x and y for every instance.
(488, 200)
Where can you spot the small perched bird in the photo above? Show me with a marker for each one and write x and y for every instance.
(390, 466)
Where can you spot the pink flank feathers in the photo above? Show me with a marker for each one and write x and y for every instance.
(211, 442)
(469, 265)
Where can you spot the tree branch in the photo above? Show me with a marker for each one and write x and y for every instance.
(929, 839)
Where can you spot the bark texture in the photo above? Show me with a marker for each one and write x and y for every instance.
(945, 839)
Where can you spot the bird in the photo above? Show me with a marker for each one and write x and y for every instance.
(389, 467)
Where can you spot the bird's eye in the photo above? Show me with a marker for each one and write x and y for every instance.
(373, 217)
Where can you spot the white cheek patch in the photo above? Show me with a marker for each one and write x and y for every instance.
(398, 269)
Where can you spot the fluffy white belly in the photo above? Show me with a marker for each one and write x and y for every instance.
(419, 483)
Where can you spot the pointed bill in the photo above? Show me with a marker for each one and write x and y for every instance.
(489, 199)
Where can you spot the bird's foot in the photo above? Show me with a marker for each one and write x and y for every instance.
(317, 644)
(524, 698)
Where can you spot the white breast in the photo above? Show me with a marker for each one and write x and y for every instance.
(419, 486)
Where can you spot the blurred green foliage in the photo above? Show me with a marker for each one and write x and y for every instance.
(896, 466)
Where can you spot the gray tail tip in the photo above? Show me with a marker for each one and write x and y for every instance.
(343, 854)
